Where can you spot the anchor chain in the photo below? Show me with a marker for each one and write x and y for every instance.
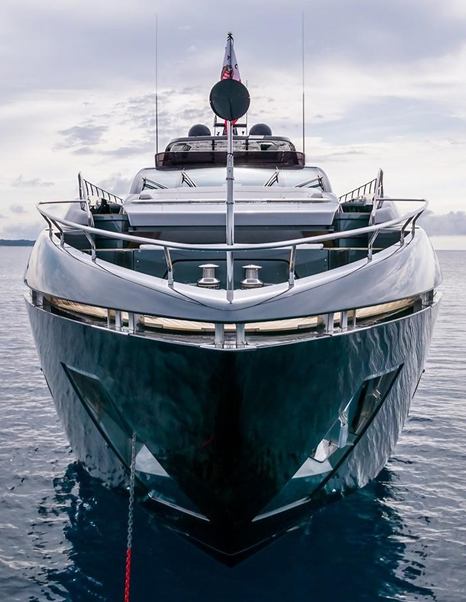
(129, 540)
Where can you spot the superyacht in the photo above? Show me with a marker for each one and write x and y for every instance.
(259, 337)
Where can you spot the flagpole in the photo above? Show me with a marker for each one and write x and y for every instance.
(230, 232)
(230, 217)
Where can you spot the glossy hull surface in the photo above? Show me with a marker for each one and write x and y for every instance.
(230, 431)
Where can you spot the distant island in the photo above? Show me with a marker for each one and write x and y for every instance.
(21, 242)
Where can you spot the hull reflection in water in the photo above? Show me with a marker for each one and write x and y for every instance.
(359, 541)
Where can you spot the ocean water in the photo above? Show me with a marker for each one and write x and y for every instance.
(403, 537)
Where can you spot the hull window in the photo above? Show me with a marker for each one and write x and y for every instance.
(355, 416)
(117, 433)
(372, 394)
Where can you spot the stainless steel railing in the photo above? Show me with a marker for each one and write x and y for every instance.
(407, 222)
(88, 189)
(373, 187)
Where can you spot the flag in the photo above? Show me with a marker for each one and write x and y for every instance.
(230, 64)
(230, 68)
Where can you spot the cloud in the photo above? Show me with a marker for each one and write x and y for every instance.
(84, 150)
(339, 154)
(138, 148)
(79, 135)
(17, 209)
(87, 44)
(384, 80)
(117, 184)
(21, 182)
(129, 124)
(401, 117)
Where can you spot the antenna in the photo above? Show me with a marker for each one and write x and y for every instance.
(304, 86)
(156, 84)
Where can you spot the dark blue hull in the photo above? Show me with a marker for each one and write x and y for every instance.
(235, 434)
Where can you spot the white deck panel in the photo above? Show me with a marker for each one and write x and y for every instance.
(253, 207)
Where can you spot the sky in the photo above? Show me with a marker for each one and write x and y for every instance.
(385, 87)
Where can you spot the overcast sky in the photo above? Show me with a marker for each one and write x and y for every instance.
(386, 87)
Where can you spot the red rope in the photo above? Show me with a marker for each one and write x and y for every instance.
(128, 575)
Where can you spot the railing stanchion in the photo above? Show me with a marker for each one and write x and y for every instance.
(403, 228)
(371, 244)
(133, 322)
(62, 236)
(168, 261)
(49, 222)
(80, 186)
(91, 240)
(291, 272)
(326, 322)
(240, 335)
(344, 320)
(219, 334)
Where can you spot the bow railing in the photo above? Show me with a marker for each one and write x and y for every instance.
(406, 223)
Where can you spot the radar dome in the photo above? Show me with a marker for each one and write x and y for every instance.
(199, 130)
(260, 129)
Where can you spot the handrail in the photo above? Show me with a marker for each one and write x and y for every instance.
(273, 178)
(87, 189)
(307, 183)
(239, 246)
(408, 219)
(188, 180)
(148, 184)
(374, 187)
(377, 198)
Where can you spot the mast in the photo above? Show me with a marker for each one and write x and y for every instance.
(156, 84)
(304, 87)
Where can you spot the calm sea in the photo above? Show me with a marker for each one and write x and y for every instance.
(403, 537)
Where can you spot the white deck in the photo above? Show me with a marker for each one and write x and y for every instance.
(254, 206)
